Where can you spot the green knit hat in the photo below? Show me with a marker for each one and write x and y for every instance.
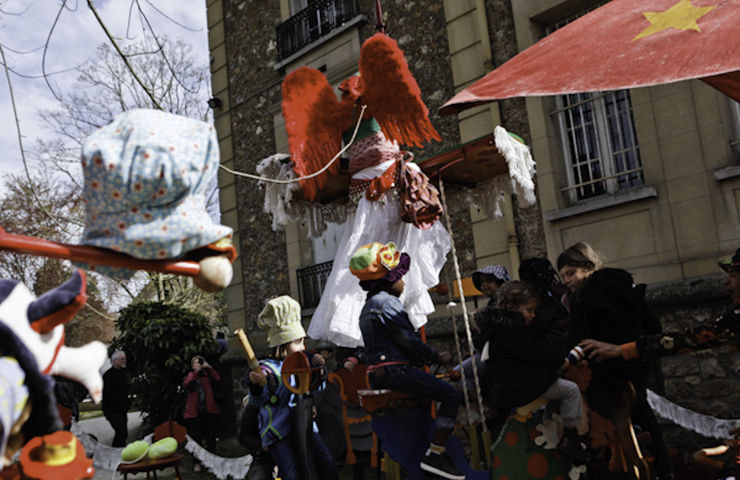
(281, 319)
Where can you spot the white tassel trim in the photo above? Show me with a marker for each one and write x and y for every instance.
(521, 165)
(696, 422)
(221, 467)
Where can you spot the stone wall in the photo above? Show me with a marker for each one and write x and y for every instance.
(529, 228)
(706, 381)
(253, 86)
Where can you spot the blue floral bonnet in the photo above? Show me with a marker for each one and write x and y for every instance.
(147, 174)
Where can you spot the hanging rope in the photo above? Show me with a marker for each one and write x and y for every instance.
(464, 305)
(466, 397)
(315, 174)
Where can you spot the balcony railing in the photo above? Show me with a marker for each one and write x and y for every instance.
(313, 22)
(311, 283)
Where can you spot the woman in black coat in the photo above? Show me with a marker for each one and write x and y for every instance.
(606, 305)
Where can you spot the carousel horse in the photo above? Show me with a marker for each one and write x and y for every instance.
(301, 378)
(528, 439)
(527, 443)
(404, 425)
(357, 421)
(31, 350)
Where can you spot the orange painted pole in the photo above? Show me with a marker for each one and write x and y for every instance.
(92, 255)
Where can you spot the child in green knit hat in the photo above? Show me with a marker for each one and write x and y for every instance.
(281, 320)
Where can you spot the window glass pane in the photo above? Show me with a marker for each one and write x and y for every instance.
(598, 165)
(593, 146)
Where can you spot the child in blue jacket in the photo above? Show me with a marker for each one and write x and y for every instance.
(281, 319)
(394, 350)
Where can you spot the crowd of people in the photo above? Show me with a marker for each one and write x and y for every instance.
(527, 336)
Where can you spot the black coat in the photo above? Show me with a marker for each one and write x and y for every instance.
(521, 366)
(611, 308)
(552, 319)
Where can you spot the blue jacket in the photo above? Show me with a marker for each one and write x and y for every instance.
(389, 335)
(274, 400)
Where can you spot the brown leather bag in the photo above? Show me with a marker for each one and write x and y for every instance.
(419, 199)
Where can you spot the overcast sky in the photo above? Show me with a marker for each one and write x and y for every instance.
(74, 40)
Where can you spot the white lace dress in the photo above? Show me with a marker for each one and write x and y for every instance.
(337, 316)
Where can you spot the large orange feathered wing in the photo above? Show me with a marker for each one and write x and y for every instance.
(314, 121)
(391, 93)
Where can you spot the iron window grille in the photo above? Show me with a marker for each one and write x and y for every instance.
(313, 22)
(599, 141)
(311, 283)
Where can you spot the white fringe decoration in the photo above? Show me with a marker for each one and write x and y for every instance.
(550, 429)
(221, 467)
(280, 201)
(696, 422)
(278, 196)
(104, 456)
(521, 166)
(284, 208)
(108, 458)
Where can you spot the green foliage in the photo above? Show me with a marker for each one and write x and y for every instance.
(159, 341)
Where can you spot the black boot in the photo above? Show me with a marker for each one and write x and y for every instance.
(573, 446)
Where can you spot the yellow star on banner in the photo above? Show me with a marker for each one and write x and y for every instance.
(681, 16)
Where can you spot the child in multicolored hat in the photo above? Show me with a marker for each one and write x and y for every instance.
(281, 319)
(393, 348)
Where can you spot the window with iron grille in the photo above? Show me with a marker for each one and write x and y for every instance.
(735, 122)
(311, 283)
(599, 141)
(317, 19)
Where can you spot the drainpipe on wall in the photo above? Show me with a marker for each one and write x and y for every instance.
(512, 241)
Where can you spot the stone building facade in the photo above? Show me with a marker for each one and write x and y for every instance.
(667, 220)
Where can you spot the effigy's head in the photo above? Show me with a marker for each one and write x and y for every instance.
(351, 87)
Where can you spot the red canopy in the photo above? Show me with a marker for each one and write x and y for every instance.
(623, 44)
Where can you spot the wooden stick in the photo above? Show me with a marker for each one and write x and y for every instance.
(92, 255)
(254, 364)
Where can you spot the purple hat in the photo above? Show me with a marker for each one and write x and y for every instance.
(497, 271)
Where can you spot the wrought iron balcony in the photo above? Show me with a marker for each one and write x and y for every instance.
(313, 22)
(311, 283)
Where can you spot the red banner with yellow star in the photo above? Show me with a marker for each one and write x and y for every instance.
(623, 44)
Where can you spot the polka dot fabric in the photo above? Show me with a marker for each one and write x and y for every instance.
(146, 179)
(517, 451)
